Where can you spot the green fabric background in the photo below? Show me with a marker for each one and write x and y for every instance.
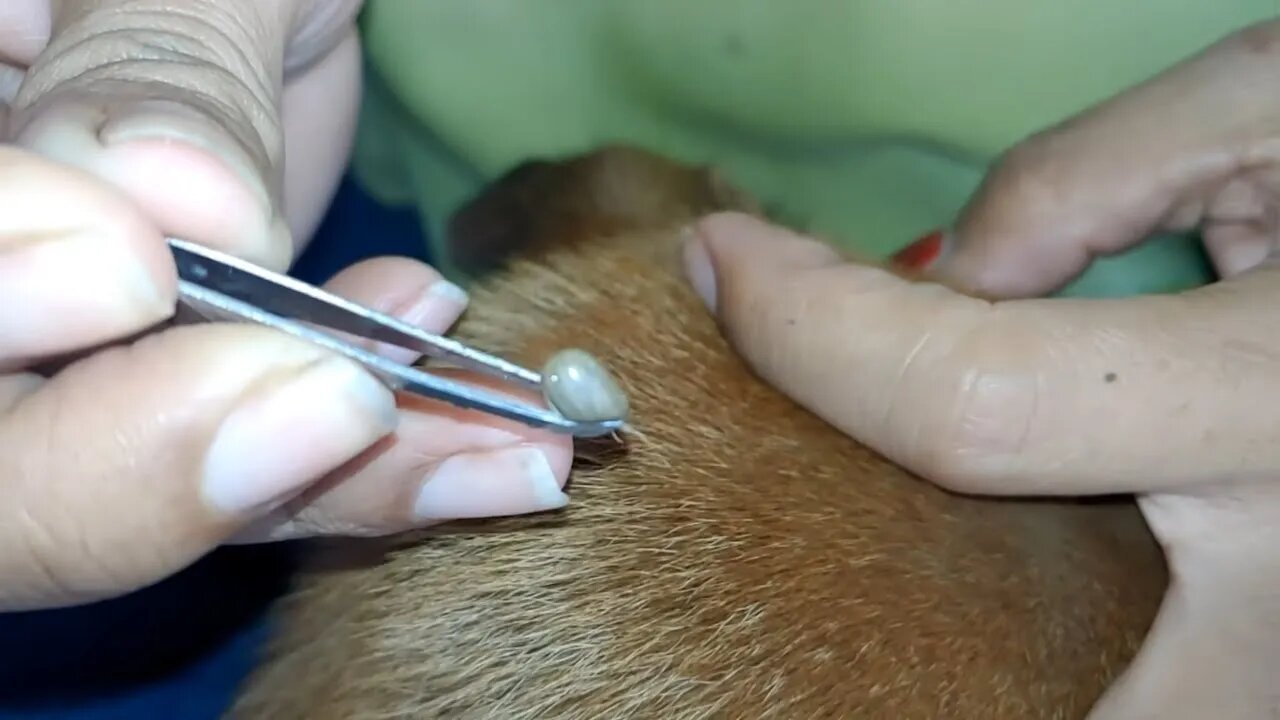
(868, 122)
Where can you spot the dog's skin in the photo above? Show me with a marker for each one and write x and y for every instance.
(732, 557)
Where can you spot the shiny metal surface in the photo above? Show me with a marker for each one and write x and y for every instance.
(222, 287)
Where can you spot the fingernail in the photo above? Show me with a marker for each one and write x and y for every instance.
(280, 440)
(167, 120)
(435, 310)
(922, 253)
(73, 291)
(511, 481)
(80, 264)
(441, 305)
(698, 267)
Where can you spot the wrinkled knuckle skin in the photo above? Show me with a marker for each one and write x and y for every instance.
(46, 555)
(36, 569)
(972, 440)
(951, 459)
(30, 575)
(47, 564)
(199, 54)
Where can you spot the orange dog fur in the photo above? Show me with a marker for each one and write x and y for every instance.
(734, 557)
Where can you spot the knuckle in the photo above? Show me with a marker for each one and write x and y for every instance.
(970, 440)
(1015, 184)
(207, 57)
(46, 557)
(1023, 176)
(1025, 186)
(31, 573)
(41, 544)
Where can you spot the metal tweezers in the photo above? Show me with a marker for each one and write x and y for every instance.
(222, 287)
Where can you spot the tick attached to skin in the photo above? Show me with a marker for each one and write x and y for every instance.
(579, 388)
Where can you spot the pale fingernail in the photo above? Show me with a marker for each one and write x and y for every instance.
(80, 264)
(698, 268)
(511, 481)
(73, 287)
(297, 430)
(167, 120)
(434, 311)
(452, 296)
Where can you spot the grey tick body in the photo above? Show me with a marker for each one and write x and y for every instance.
(579, 388)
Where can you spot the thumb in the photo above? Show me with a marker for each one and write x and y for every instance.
(179, 106)
(134, 462)
(1153, 158)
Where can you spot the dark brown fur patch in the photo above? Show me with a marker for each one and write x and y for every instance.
(738, 558)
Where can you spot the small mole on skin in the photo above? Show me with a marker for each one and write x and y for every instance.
(1109, 377)
(579, 388)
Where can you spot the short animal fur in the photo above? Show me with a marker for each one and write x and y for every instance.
(734, 557)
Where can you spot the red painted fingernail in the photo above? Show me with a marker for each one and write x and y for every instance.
(921, 253)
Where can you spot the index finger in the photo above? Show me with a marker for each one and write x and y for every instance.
(1054, 397)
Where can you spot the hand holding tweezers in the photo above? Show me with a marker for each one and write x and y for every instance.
(221, 286)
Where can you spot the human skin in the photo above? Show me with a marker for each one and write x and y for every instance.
(229, 124)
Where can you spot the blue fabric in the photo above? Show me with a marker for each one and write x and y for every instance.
(178, 650)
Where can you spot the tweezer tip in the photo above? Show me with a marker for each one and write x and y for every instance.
(596, 429)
